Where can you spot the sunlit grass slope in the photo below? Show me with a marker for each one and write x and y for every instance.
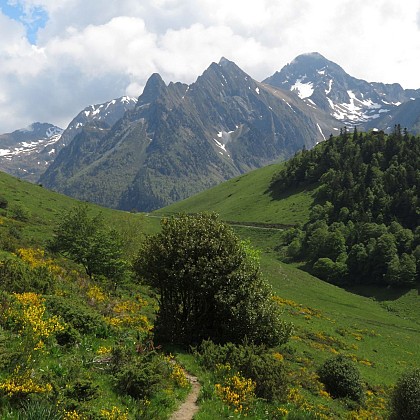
(44, 209)
(247, 199)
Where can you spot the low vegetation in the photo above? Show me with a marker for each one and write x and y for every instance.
(80, 340)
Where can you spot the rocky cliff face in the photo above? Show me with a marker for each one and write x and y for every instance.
(181, 139)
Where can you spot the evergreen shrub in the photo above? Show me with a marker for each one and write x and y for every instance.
(341, 378)
(254, 362)
(405, 401)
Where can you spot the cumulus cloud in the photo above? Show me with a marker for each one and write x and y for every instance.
(91, 51)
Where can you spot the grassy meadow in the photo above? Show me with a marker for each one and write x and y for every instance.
(379, 329)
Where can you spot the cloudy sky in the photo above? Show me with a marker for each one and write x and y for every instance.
(58, 56)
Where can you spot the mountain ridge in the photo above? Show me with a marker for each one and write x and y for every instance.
(186, 138)
(326, 85)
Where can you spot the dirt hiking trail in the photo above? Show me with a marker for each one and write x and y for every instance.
(189, 407)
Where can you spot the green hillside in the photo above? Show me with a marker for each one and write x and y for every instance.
(377, 328)
(247, 199)
(34, 211)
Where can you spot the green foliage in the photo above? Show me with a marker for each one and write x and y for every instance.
(142, 377)
(333, 272)
(3, 202)
(252, 361)
(209, 283)
(20, 212)
(17, 276)
(80, 316)
(87, 241)
(405, 401)
(362, 229)
(341, 378)
(35, 409)
(81, 390)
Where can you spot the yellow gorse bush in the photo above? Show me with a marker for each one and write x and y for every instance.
(237, 392)
(177, 374)
(127, 313)
(72, 415)
(96, 294)
(36, 258)
(21, 384)
(114, 414)
(104, 350)
(29, 313)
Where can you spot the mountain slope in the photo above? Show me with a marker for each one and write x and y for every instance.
(107, 113)
(407, 115)
(325, 85)
(182, 139)
(26, 153)
(247, 199)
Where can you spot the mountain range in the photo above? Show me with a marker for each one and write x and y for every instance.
(179, 139)
(27, 153)
(352, 102)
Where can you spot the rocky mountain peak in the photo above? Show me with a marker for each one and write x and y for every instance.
(154, 87)
(325, 85)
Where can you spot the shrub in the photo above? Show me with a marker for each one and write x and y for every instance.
(3, 202)
(405, 401)
(81, 390)
(142, 377)
(18, 277)
(67, 337)
(79, 316)
(20, 213)
(210, 284)
(253, 362)
(341, 378)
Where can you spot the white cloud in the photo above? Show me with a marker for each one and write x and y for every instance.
(92, 51)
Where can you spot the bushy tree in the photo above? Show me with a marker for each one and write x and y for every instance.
(86, 240)
(405, 401)
(341, 378)
(209, 284)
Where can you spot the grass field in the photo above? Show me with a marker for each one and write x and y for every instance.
(247, 199)
(379, 329)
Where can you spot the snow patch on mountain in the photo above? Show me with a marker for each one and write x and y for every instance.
(25, 148)
(304, 90)
(355, 110)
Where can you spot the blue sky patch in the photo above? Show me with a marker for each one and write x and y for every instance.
(33, 20)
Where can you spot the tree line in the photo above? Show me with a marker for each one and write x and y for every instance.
(364, 225)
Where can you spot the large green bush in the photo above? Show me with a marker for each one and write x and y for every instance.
(87, 241)
(252, 361)
(140, 376)
(341, 378)
(209, 284)
(405, 401)
(80, 316)
(18, 277)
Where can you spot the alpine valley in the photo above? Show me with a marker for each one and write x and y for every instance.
(178, 139)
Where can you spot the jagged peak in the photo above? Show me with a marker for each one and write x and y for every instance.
(224, 62)
(153, 88)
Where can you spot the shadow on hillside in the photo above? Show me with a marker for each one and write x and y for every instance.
(380, 294)
(275, 194)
